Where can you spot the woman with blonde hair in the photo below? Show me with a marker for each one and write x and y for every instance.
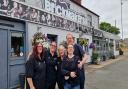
(61, 56)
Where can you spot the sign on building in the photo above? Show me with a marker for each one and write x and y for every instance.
(62, 8)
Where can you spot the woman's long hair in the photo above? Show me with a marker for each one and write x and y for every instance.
(35, 52)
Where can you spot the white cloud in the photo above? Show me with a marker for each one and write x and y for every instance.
(109, 11)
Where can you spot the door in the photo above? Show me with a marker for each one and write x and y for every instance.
(3, 59)
(52, 37)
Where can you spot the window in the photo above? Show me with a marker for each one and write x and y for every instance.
(89, 20)
(117, 45)
(17, 44)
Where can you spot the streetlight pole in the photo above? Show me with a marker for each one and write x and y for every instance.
(122, 19)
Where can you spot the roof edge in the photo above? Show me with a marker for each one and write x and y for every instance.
(84, 7)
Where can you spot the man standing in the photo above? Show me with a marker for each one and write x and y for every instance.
(78, 51)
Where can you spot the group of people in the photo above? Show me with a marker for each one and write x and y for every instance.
(46, 67)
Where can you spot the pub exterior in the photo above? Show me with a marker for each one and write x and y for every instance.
(21, 19)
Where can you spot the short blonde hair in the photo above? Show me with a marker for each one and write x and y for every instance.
(60, 46)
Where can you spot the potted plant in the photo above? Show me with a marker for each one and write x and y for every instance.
(95, 58)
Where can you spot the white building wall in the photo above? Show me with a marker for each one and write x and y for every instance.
(95, 19)
(116, 52)
(32, 29)
(35, 3)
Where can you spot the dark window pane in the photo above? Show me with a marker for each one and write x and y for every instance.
(17, 44)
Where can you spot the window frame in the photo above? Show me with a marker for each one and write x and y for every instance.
(17, 57)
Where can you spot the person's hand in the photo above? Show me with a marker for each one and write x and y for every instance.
(80, 65)
(32, 87)
(73, 74)
(66, 77)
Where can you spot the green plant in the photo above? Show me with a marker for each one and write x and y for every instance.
(111, 45)
(95, 58)
(83, 42)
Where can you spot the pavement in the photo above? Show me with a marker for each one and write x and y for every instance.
(110, 74)
(93, 67)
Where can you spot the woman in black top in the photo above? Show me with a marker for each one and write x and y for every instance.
(70, 70)
(51, 66)
(61, 56)
(36, 68)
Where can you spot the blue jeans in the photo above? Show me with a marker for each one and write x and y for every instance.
(69, 86)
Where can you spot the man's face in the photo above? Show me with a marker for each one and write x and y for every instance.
(70, 39)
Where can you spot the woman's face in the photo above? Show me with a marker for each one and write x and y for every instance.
(70, 49)
(61, 51)
(39, 48)
(53, 47)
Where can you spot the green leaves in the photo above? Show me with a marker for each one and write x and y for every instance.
(109, 28)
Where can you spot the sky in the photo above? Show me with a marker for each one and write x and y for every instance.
(110, 11)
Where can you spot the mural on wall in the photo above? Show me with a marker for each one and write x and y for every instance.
(63, 8)
(18, 10)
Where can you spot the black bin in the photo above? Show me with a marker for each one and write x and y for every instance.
(22, 80)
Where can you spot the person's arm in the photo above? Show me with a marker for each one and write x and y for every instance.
(30, 82)
(84, 58)
(29, 54)
(30, 72)
(66, 72)
(83, 55)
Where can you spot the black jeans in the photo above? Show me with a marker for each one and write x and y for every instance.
(82, 79)
(51, 85)
(60, 84)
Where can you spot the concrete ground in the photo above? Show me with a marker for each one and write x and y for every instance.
(111, 74)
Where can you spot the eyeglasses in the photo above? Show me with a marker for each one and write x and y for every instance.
(53, 45)
(70, 47)
(39, 46)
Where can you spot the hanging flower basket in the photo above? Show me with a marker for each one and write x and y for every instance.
(38, 37)
(83, 42)
(92, 46)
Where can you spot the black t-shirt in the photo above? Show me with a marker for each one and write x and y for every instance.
(59, 63)
(36, 69)
(70, 65)
(51, 67)
(78, 51)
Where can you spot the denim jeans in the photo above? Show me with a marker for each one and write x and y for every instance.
(69, 86)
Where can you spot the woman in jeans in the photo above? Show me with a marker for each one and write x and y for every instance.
(70, 70)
